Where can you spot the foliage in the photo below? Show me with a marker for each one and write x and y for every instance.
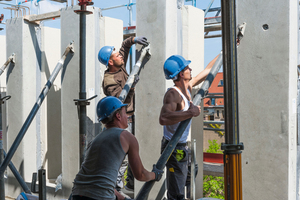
(214, 147)
(213, 186)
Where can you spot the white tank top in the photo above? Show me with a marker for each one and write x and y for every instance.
(169, 130)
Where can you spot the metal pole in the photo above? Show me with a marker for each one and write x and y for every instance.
(145, 190)
(129, 24)
(82, 79)
(193, 170)
(232, 146)
(2, 187)
(82, 102)
(18, 176)
(10, 59)
(42, 184)
(34, 110)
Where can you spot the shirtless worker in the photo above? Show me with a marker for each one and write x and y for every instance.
(97, 176)
(177, 107)
(114, 80)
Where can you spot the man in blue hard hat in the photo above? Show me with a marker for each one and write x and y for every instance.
(97, 176)
(177, 107)
(114, 80)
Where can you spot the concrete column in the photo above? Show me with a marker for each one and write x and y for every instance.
(96, 29)
(193, 49)
(3, 59)
(267, 61)
(51, 109)
(166, 25)
(23, 82)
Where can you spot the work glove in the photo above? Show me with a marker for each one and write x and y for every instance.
(141, 40)
(158, 173)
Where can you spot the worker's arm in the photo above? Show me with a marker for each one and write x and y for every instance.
(203, 74)
(169, 114)
(130, 145)
(125, 48)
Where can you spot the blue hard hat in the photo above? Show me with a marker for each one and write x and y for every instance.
(104, 54)
(107, 106)
(173, 65)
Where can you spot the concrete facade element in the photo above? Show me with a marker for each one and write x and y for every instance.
(3, 59)
(23, 81)
(267, 75)
(51, 109)
(37, 53)
(193, 49)
(170, 29)
(97, 30)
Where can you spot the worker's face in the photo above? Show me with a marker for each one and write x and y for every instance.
(187, 73)
(117, 59)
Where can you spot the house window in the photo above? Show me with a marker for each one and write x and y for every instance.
(220, 83)
(217, 113)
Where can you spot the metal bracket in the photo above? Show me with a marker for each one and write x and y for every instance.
(83, 4)
(241, 31)
(83, 102)
(2, 100)
(232, 148)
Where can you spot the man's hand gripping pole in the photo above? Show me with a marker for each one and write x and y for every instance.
(133, 77)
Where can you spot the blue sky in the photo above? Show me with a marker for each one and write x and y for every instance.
(212, 46)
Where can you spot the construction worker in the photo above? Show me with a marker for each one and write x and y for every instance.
(98, 174)
(114, 80)
(177, 107)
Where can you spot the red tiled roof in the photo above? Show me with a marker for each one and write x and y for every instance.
(214, 88)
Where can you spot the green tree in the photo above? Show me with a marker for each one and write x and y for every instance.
(214, 147)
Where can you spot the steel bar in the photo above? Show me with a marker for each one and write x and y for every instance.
(232, 146)
(214, 129)
(134, 73)
(42, 184)
(82, 86)
(208, 7)
(34, 110)
(10, 59)
(18, 176)
(213, 122)
(212, 36)
(145, 190)
(119, 6)
(2, 185)
(193, 170)
(230, 71)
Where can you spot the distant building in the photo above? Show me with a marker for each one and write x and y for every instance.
(214, 103)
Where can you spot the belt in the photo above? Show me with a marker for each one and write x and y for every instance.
(164, 140)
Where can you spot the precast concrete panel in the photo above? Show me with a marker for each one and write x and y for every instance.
(3, 59)
(193, 49)
(70, 91)
(170, 29)
(156, 20)
(267, 79)
(51, 54)
(22, 83)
